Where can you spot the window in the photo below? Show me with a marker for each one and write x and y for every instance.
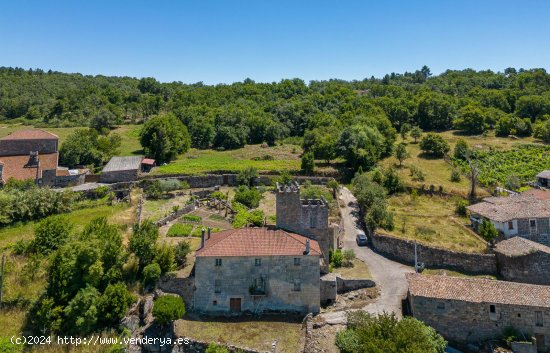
(217, 286)
(538, 319)
(533, 223)
(297, 285)
(441, 306)
(215, 302)
(296, 261)
(510, 225)
(218, 262)
(257, 262)
(492, 309)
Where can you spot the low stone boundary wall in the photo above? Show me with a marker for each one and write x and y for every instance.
(403, 250)
(344, 285)
(211, 180)
(174, 215)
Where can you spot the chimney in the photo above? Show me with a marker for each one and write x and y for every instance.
(306, 252)
(209, 231)
(202, 238)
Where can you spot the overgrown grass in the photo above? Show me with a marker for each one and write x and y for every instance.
(432, 221)
(204, 161)
(358, 270)
(257, 333)
(180, 230)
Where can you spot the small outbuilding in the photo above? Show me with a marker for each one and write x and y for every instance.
(147, 164)
(543, 178)
(121, 169)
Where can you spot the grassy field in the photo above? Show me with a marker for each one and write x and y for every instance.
(253, 332)
(128, 133)
(204, 161)
(432, 221)
(437, 171)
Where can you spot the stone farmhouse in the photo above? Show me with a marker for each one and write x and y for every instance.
(33, 154)
(543, 179)
(121, 169)
(524, 215)
(522, 260)
(473, 310)
(308, 217)
(256, 270)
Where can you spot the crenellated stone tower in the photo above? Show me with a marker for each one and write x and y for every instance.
(308, 217)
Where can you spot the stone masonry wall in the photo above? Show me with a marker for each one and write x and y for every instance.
(215, 285)
(530, 268)
(403, 250)
(465, 322)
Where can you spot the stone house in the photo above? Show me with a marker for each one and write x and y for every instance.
(121, 169)
(308, 217)
(522, 260)
(33, 154)
(543, 179)
(524, 215)
(256, 270)
(473, 310)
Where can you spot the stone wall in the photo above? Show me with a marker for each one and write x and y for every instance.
(174, 215)
(344, 285)
(328, 288)
(533, 267)
(119, 176)
(466, 322)
(278, 275)
(403, 250)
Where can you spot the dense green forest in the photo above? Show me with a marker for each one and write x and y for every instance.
(357, 120)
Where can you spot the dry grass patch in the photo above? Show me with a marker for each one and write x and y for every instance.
(358, 270)
(445, 272)
(432, 221)
(253, 332)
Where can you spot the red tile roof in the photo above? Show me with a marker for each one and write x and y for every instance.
(478, 290)
(257, 242)
(148, 161)
(14, 166)
(30, 134)
(518, 246)
(538, 194)
(502, 209)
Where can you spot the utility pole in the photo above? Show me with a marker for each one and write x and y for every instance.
(2, 280)
(415, 258)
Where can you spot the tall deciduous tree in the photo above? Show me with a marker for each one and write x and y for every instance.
(164, 137)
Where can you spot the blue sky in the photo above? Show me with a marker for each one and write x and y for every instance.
(225, 41)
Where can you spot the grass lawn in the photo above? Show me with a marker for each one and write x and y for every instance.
(358, 270)
(253, 332)
(204, 161)
(119, 214)
(157, 209)
(432, 221)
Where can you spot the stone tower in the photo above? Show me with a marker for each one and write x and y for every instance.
(308, 217)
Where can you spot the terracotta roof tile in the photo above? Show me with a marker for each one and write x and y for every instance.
(518, 246)
(257, 242)
(148, 161)
(30, 134)
(478, 290)
(502, 209)
(14, 166)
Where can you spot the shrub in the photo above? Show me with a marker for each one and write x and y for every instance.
(461, 209)
(337, 258)
(180, 254)
(417, 174)
(81, 313)
(165, 257)
(308, 163)
(349, 256)
(51, 233)
(113, 304)
(154, 190)
(455, 175)
(247, 176)
(487, 230)
(142, 242)
(216, 348)
(192, 218)
(433, 144)
(168, 308)
(392, 182)
(513, 183)
(151, 274)
(249, 197)
(167, 185)
(461, 149)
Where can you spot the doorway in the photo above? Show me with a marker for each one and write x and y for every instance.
(235, 305)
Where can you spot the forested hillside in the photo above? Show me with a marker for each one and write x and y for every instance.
(364, 116)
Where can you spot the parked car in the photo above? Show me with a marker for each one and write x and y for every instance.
(361, 239)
